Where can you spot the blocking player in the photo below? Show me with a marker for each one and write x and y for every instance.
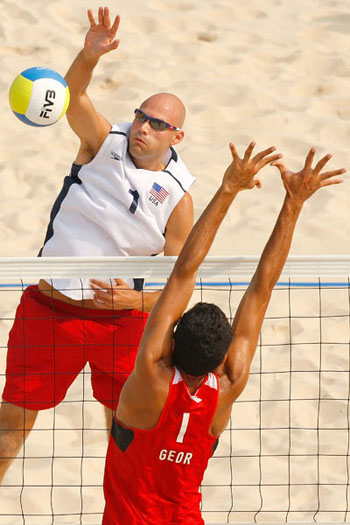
(191, 367)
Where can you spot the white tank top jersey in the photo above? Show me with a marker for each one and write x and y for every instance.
(109, 207)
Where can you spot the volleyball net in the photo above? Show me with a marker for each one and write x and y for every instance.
(284, 456)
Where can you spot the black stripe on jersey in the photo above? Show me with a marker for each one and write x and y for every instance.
(215, 446)
(138, 284)
(179, 183)
(117, 133)
(123, 437)
(73, 178)
(173, 157)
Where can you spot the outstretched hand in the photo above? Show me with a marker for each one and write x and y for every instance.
(100, 38)
(241, 173)
(304, 183)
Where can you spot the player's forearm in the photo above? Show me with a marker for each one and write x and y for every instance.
(277, 248)
(202, 235)
(79, 75)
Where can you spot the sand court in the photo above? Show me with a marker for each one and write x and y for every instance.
(270, 70)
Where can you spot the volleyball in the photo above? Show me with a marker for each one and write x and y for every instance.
(39, 96)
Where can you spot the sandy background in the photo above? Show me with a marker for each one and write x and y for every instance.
(276, 71)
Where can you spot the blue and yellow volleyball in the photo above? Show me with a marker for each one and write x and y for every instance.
(39, 96)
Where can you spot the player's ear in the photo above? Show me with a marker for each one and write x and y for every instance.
(178, 137)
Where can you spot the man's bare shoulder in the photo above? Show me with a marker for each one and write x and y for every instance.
(229, 391)
(144, 395)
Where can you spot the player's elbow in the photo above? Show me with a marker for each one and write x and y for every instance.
(185, 268)
(262, 288)
(77, 105)
(265, 279)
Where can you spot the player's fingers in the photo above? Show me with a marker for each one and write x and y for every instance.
(121, 282)
(269, 160)
(103, 302)
(280, 166)
(100, 295)
(234, 153)
(104, 297)
(248, 151)
(98, 303)
(309, 158)
(263, 153)
(100, 16)
(101, 298)
(322, 162)
(330, 181)
(235, 156)
(91, 17)
(116, 23)
(328, 174)
(258, 183)
(97, 284)
(114, 45)
(106, 18)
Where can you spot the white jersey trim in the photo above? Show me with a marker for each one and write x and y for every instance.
(212, 381)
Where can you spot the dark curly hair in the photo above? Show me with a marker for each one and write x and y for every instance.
(201, 339)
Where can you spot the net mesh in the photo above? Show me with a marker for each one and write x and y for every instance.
(284, 456)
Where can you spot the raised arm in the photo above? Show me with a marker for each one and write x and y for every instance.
(90, 126)
(156, 343)
(251, 311)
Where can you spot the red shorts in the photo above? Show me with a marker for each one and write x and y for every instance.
(51, 341)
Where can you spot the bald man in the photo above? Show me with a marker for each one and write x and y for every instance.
(127, 194)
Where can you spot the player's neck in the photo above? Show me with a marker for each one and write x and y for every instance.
(150, 164)
(193, 382)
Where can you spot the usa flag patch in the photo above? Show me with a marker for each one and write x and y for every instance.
(159, 192)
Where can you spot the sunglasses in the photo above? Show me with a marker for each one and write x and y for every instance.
(155, 123)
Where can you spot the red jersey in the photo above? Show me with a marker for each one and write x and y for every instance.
(153, 476)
